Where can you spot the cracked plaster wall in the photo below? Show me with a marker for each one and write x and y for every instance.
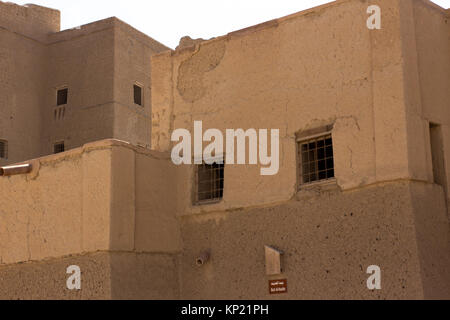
(316, 68)
(304, 71)
(308, 70)
(108, 206)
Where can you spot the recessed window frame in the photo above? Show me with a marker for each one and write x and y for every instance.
(59, 143)
(437, 150)
(4, 149)
(197, 200)
(141, 87)
(311, 136)
(62, 88)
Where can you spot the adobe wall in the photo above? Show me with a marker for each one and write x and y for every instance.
(110, 208)
(31, 21)
(61, 208)
(22, 70)
(433, 238)
(105, 276)
(427, 44)
(319, 67)
(329, 239)
(125, 214)
(133, 51)
(99, 63)
(107, 206)
(21, 92)
(83, 61)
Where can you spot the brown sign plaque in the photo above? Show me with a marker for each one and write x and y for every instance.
(278, 286)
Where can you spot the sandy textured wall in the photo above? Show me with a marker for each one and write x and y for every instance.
(31, 20)
(319, 67)
(99, 63)
(104, 276)
(22, 74)
(61, 208)
(329, 240)
(21, 90)
(430, 31)
(107, 207)
(133, 51)
(83, 61)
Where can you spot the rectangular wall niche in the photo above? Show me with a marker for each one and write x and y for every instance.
(273, 261)
(437, 155)
(3, 149)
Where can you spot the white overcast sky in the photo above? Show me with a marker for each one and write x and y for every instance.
(169, 20)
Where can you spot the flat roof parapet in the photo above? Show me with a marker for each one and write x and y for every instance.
(105, 24)
(29, 20)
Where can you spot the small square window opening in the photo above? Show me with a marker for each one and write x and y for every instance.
(58, 147)
(3, 149)
(62, 96)
(138, 95)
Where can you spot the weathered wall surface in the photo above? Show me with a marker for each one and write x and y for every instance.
(433, 238)
(47, 279)
(21, 95)
(83, 61)
(329, 240)
(31, 21)
(61, 208)
(110, 208)
(104, 276)
(22, 70)
(157, 228)
(133, 51)
(124, 214)
(319, 67)
(99, 63)
(429, 47)
(105, 197)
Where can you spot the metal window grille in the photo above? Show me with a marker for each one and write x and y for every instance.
(58, 147)
(62, 97)
(3, 149)
(137, 95)
(316, 161)
(210, 182)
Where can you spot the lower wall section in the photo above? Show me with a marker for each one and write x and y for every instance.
(329, 239)
(103, 276)
(144, 276)
(433, 239)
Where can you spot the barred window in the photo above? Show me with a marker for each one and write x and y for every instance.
(62, 96)
(315, 159)
(210, 182)
(58, 147)
(3, 149)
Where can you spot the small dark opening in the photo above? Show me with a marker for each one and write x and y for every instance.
(58, 147)
(62, 97)
(437, 154)
(3, 149)
(138, 95)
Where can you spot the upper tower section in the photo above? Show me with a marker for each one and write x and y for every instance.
(29, 20)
